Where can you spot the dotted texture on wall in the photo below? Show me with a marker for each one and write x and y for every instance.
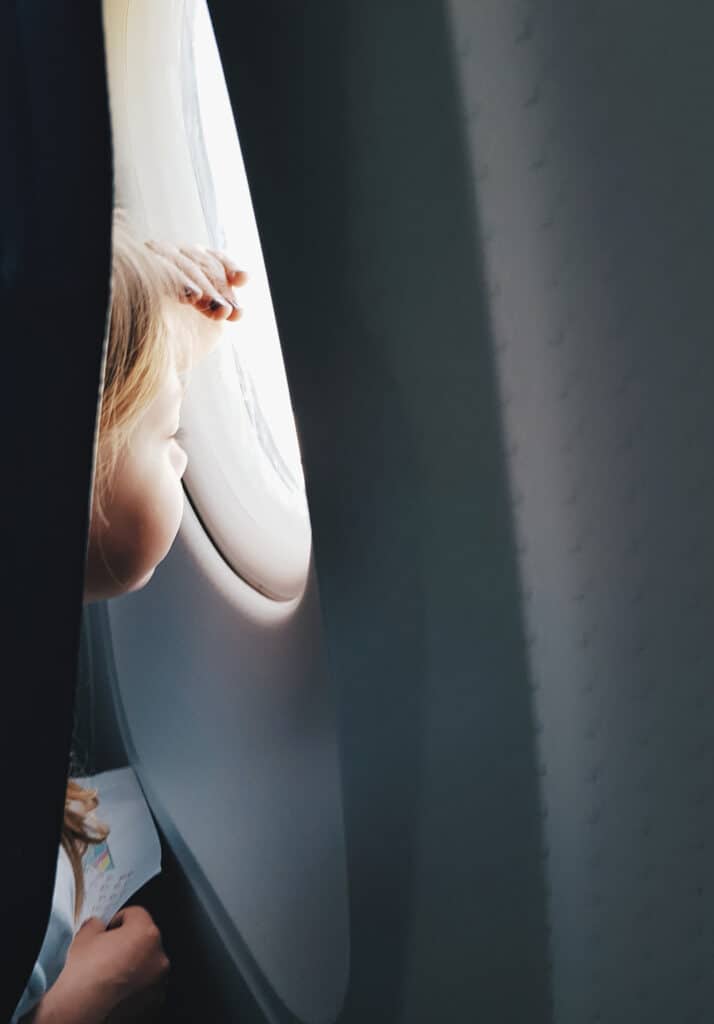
(592, 138)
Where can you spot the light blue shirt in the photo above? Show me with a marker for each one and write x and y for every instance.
(59, 934)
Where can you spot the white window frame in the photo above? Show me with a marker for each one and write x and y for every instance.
(240, 488)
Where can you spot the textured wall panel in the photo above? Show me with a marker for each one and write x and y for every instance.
(592, 146)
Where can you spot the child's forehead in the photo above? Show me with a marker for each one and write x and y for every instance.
(166, 402)
(180, 333)
(174, 381)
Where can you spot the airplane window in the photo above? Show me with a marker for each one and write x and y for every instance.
(206, 688)
(180, 175)
(241, 396)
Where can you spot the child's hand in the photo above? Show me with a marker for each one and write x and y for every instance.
(204, 278)
(128, 954)
(104, 967)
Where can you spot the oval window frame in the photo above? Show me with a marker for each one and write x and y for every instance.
(241, 489)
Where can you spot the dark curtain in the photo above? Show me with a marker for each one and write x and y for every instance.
(56, 197)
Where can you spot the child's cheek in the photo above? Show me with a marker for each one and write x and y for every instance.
(178, 458)
(162, 508)
(146, 513)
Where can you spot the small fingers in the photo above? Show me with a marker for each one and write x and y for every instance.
(187, 290)
(234, 275)
(194, 285)
(218, 274)
(88, 929)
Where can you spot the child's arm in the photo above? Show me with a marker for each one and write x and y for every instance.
(103, 968)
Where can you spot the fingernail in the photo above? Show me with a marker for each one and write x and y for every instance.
(215, 304)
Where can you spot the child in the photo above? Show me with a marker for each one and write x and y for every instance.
(137, 502)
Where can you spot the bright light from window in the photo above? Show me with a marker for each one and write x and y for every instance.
(255, 337)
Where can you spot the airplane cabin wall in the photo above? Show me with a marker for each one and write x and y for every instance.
(592, 144)
(488, 233)
(352, 131)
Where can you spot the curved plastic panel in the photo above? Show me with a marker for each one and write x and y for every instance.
(352, 132)
(227, 713)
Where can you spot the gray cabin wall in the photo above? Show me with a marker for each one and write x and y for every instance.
(488, 230)
(363, 192)
(592, 147)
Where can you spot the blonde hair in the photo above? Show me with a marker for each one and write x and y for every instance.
(79, 831)
(139, 349)
(139, 353)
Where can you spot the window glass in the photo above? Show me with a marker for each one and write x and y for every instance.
(227, 203)
(179, 174)
(245, 476)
